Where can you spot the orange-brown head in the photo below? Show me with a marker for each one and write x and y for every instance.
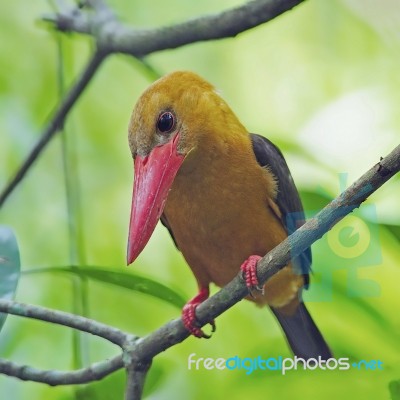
(188, 102)
(178, 114)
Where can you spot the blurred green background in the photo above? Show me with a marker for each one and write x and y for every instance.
(321, 81)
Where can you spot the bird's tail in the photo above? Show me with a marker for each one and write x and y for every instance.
(303, 336)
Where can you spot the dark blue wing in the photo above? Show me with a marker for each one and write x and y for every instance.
(288, 199)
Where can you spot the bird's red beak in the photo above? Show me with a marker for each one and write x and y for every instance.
(154, 175)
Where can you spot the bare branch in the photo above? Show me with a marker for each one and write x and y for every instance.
(55, 124)
(138, 353)
(110, 333)
(136, 376)
(111, 37)
(92, 373)
(95, 371)
(136, 372)
(98, 5)
(114, 37)
(174, 332)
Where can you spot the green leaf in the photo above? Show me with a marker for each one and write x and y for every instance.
(123, 279)
(9, 266)
(133, 282)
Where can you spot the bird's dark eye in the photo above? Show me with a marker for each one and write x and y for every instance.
(165, 122)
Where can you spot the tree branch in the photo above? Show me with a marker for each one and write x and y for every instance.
(55, 124)
(107, 332)
(136, 372)
(95, 371)
(92, 373)
(114, 37)
(174, 332)
(138, 353)
(98, 5)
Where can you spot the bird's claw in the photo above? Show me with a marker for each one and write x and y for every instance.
(249, 275)
(190, 321)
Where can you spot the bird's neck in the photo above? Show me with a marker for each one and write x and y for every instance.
(216, 154)
(219, 167)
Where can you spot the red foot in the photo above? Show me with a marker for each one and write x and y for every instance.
(189, 314)
(249, 273)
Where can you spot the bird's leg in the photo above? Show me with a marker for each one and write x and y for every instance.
(189, 314)
(249, 274)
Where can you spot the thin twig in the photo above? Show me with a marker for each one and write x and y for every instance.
(111, 37)
(110, 333)
(55, 124)
(138, 353)
(98, 5)
(94, 372)
(114, 37)
(174, 331)
(136, 371)
(135, 379)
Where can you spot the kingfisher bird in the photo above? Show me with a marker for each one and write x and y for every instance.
(226, 197)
